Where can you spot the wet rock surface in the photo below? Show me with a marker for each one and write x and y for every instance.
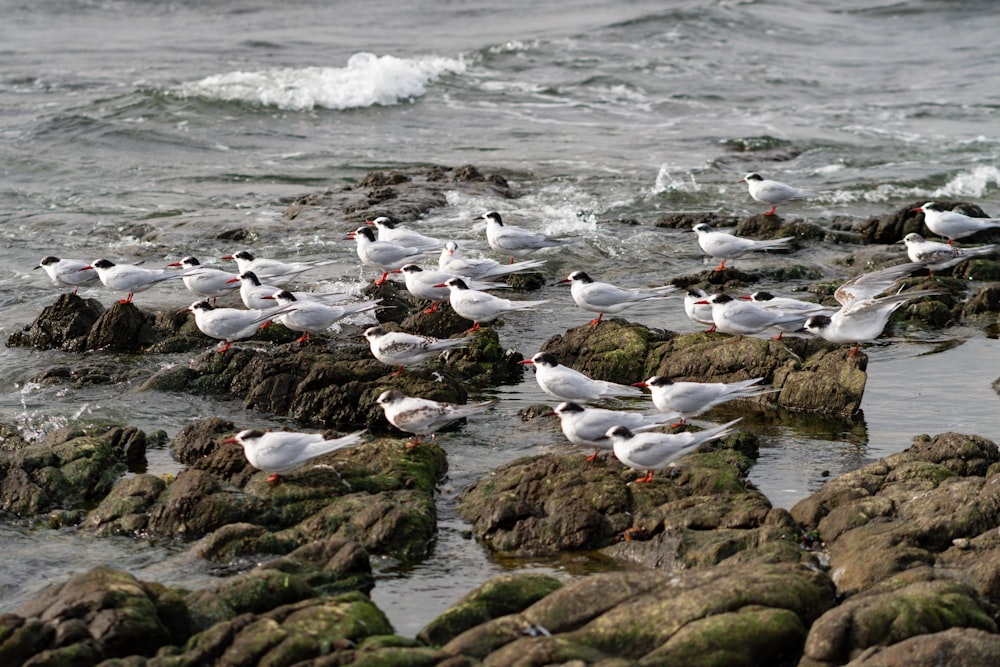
(707, 571)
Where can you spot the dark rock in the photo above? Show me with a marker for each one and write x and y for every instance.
(689, 220)
(120, 613)
(893, 227)
(985, 300)
(402, 195)
(64, 325)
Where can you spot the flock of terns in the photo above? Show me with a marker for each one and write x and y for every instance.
(464, 282)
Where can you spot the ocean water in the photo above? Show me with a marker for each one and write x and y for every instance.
(140, 130)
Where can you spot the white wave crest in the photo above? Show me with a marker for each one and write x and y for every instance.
(367, 80)
(970, 184)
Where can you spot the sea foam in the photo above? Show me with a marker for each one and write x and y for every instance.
(367, 80)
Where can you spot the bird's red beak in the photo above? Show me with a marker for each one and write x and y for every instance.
(918, 209)
(639, 384)
(564, 280)
(440, 285)
(526, 361)
(228, 257)
(86, 268)
(175, 264)
(230, 441)
(232, 280)
(744, 297)
(703, 302)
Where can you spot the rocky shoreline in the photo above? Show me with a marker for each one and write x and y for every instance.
(896, 563)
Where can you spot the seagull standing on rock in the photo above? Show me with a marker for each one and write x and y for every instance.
(481, 306)
(394, 348)
(517, 241)
(603, 298)
(479, 268)
(939, 256)
(279, 452)
(205, 282)
(311, 317)
(655, 451)
(774, 193)
(422, 416)
(130, 278)
(568, 384)
(690, 399)
(272, 270)
(588, 427)
(383, 255)
(723, 246)
(953, 225)
(229, 324)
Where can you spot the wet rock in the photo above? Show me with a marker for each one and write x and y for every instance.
(10, 439)
(812, 375)
(907, 509)
(703, 514)
(380, 494)
(64, 325)
(324, 386)
(893, 227)
(289, 634)
(121, 328)
(907, 605)
(103, 613)
(69, 468)
(502, 595)
(956, 647)
(986, 300)
(661, 618)
(403, 195)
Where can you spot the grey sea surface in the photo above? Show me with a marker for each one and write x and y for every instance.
(140, 131)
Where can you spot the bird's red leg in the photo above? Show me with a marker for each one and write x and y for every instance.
(778, 337)
(414, 442)
(645, 480)
(592, 457)
(273, 477)
(432, 309)
(382, 279)
(597, 320)
(126, 300)
(225, 348)
(303, 338)
(854, 350)
(773, 209)
(721, 266)
(680, 423)
(398, 372)
(475, 327)
(711, 329)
